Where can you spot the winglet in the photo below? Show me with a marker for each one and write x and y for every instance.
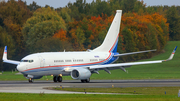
(5, 53)
(172, 55)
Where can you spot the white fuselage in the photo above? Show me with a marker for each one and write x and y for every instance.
(55, 63)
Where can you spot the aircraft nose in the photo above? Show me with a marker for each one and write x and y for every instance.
(19, 68)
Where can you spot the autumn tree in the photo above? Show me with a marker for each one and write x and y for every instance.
(43, 24)
(129, 42)
(174, 23)
(127, 5)
(33, 6)
(143, 32)
(89, 33)
(65, 14)
(14, 14)
(51, 45)
(74, 11)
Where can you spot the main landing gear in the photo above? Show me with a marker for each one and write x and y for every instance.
(86, 80)
(57, 78)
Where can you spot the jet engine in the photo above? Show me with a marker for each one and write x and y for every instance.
(80, 74)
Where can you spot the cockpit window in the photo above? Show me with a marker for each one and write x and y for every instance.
(30, 61)
(24, 60)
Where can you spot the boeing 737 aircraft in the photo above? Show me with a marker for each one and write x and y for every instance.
(80, 65)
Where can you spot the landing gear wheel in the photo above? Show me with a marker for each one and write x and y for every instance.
(30, 80)
(86, 80)
(55, 78)
(83, 81)
(59, 79)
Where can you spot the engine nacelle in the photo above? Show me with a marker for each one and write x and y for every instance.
(80, 74)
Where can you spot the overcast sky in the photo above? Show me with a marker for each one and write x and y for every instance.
(63, 3)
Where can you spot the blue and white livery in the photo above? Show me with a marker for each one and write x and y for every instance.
(80, 65)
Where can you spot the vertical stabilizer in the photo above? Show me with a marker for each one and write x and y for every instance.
(111, 40)
(4, 58)
(5, 53)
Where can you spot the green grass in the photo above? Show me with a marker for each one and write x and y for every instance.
(140, 94)
(5, 76)
(127, 90)
(84, 97)
(165, 70)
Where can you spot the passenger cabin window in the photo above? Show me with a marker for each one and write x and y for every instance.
(101, 59)
(93, 59)
(58, 60)
(67, 60)
(78, 60)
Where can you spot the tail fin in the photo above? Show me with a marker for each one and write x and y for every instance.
(6, 60)
(5, 53)
(111, 40)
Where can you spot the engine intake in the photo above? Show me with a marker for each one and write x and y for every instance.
(80, 74)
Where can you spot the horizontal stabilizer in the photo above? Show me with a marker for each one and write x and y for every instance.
(133, 53)
(12, 62)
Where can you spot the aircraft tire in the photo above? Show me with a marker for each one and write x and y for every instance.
(87, 80)
(59, 79)
(83, 81)
(55, 78)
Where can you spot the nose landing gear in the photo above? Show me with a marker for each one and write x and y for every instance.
(31, 80)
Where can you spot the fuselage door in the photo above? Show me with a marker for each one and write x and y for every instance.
(42, 61)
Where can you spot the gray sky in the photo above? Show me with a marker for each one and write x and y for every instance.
(63, 3)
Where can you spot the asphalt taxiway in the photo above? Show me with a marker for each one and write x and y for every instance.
(38, 86)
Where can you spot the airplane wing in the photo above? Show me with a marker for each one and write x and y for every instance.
(132, 63)
(133, 53)
(6, 60)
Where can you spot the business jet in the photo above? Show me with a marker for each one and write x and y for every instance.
(79, 65)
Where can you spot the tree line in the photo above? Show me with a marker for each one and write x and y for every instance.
(27, 29)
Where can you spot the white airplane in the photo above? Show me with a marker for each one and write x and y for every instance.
(80, 65)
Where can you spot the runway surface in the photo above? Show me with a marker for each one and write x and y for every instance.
(38, 86)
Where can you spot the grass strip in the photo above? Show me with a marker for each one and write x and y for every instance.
(127, 90)
(86, 97)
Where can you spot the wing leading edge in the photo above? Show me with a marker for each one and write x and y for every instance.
(132, 63)
(6, 60)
